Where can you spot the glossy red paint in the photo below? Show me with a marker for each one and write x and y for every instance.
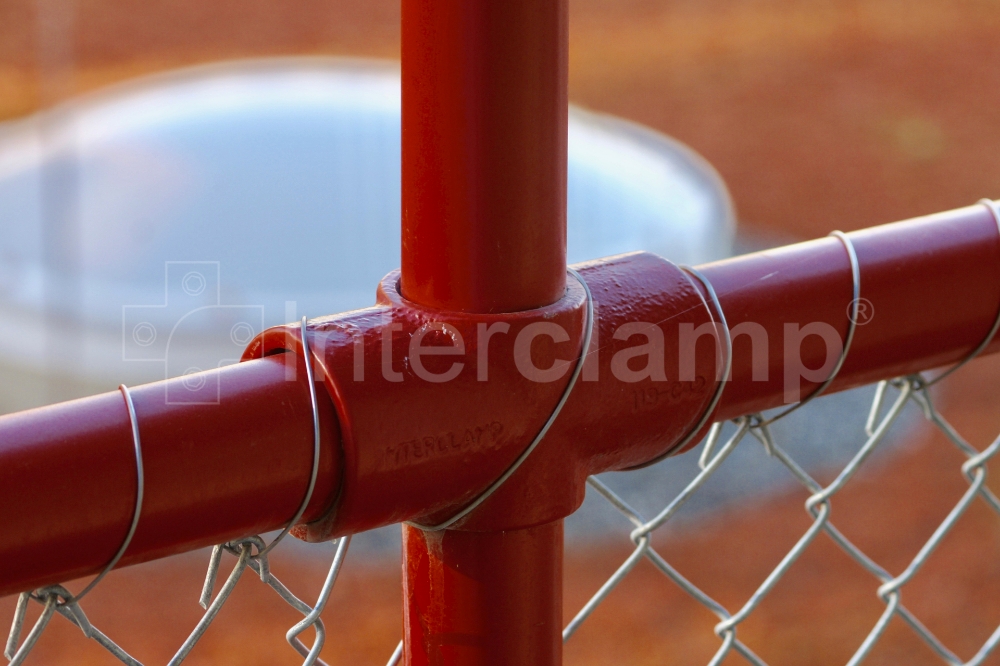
(483, 230)
(484, 153)
(483, 245)
(483, 581)
(448, 440)
(934, 283)
(236, 465)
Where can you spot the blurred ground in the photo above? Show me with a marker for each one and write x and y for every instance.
(819, 115)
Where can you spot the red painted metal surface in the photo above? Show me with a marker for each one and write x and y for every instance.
(933, 284)
(484, 153)
(212, 472)
(482, 581)
(67, 476)
(484, 187)
(448, 440)
(484, 230)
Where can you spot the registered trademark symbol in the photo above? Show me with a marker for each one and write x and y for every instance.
(865, 311)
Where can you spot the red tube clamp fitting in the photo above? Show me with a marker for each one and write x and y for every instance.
(434, 405)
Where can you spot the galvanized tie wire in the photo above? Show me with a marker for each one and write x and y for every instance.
(57, 599)
(243, 549)
(852, 256)
(726, 343)
(314, 472)
(995, 212)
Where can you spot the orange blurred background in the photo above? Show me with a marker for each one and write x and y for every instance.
(819, 114)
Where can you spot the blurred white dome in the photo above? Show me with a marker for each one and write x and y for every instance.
(148, 229)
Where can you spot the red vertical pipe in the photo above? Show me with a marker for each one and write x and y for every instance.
(484, 230)
(484, 153)
(483, 597)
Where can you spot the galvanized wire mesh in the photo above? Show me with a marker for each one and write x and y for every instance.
(251, 553)
(885, 410)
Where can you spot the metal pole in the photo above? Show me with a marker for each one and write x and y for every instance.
(484, 230)
(484, 153)
(483, 597)
(930, 287)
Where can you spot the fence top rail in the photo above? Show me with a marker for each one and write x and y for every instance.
(933, 284)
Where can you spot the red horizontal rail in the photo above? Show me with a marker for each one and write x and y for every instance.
(219, 471)
(932, 283)
(213, 472)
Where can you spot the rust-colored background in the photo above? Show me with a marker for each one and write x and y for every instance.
(819, 114)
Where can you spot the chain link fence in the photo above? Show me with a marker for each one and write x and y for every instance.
(251, 553)
(889, 401)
